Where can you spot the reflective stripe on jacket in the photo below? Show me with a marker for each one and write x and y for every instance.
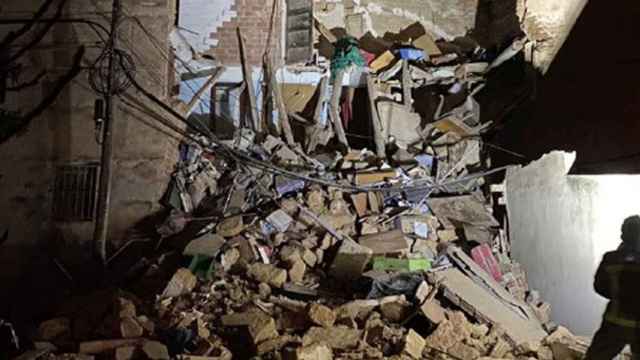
(618, 279)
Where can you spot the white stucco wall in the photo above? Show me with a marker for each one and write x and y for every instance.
(560, 226)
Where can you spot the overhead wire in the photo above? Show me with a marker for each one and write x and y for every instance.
(247, 160)
(205, 107)
(240, 157)
(267, 166)
(159, 47)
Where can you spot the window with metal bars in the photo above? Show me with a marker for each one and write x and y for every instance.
(74, 193)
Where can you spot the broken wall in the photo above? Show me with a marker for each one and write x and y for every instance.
(442, 18)
(560, 227)
(209, 27)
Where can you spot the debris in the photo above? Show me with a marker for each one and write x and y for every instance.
(314, 352)
(414, 344)
(400, 284)
(365, 178)
(321, 315)
(336, 337)
(129, 328)
(565, 345)
(54, 329)
(433, 311)
(268, 274)
(208, 244)
(444, 337)
(262, 328)
(100, 346)
(326, 248)
(350, 261)
(399, 124)
(384, 242)
(385, 263)
(155, 350)
(407, 53)
(382, 61)
(464, 352)
(230, 227)
(462, 209)
(297, 271)
(426, 43)
(395, 308)
(182, 282)
(360, 203)
(482, 304)
(280, 220)
(125, 353)
(483, 256)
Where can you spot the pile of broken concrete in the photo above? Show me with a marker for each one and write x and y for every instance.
(319, 274)
(311, 250)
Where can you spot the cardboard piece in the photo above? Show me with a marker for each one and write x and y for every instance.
(464, 209)
(384, 242)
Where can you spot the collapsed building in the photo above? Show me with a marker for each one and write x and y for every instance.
(292, 179)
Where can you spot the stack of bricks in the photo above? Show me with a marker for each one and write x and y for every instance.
(515, 280)
(254, 17)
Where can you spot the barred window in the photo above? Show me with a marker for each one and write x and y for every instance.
(74, 193)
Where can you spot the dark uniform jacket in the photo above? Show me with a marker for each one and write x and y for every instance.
(618, 279)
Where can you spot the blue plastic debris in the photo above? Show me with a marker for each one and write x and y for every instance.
(425, 160)
(410, 54)
(286, 185)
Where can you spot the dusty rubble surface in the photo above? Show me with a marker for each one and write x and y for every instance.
(310, 249)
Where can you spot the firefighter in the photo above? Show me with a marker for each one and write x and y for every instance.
(618, 279)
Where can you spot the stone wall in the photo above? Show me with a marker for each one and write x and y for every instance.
(144, 151)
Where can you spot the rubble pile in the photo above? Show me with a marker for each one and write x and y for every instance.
(314, 250)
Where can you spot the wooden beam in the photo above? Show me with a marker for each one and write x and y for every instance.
(299, 119)
(248, 79)
(313, 133)
(188, 108)
(406, 85)
(335, 112)
(375, 119)
(324, 31)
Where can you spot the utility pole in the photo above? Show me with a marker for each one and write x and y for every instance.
(106, 160)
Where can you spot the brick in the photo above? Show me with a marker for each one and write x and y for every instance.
(269, 274)
(182, 282)
(314, 352)
(129, 328)
(414, 344)
(321, 315)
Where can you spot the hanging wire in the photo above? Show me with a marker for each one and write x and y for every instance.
(99, 72)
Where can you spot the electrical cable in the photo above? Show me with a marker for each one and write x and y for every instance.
(158, 45)
(154, 74)
(99, 72)
(244, 159)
